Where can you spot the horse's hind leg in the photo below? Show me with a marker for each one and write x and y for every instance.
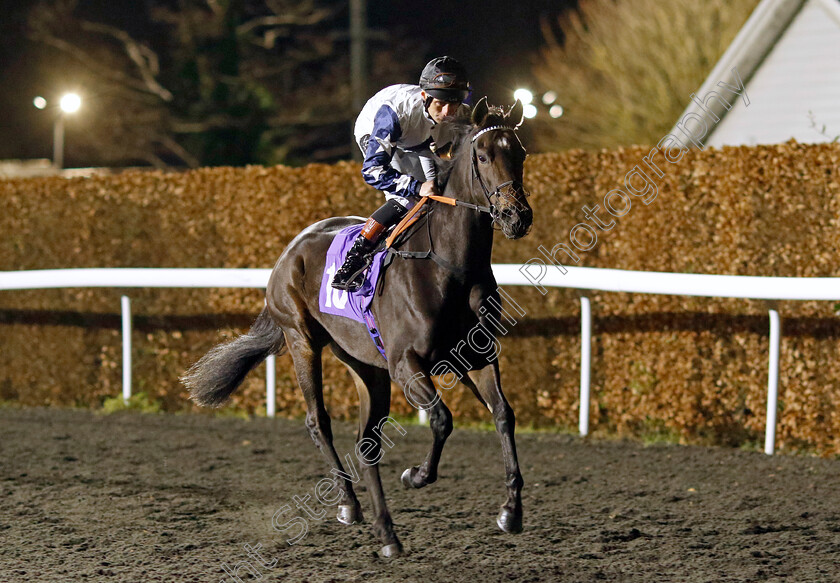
(420, 392)
(474, 388)
(307, 362)
(374, 386)
(489, 387)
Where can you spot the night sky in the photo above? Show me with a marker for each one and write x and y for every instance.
(496, 40)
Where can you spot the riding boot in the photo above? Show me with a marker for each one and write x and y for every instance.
(350, 276)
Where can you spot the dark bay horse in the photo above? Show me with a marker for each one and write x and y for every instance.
(425, 313)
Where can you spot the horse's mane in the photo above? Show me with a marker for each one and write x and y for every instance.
(462, 128)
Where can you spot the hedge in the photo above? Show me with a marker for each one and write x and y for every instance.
(694, 368)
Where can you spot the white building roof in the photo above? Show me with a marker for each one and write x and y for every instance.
(788, 55)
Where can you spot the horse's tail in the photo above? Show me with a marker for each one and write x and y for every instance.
(219, 373)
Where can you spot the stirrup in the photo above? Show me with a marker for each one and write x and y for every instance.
(354, 281)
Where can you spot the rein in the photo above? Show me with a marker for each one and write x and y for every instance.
(455, 202)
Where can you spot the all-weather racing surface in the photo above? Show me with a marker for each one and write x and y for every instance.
(133, 497)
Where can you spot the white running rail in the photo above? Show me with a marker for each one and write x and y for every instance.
(585, 278)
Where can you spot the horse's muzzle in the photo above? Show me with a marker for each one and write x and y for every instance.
(512, 213)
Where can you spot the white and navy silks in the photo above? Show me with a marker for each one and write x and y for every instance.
(395, 132)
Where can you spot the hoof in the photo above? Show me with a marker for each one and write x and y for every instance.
(349, 514)
(509, 522)
(406, 480)
(391, 550)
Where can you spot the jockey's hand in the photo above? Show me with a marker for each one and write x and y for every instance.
(428, 187)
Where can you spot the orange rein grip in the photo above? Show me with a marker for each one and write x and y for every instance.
(409, 219)
(444, 199)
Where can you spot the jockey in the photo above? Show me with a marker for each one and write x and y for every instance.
(394, 131)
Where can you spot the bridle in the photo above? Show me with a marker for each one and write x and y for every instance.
(488, 194)
(492, 209)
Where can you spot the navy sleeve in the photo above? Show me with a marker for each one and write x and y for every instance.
(376, 169)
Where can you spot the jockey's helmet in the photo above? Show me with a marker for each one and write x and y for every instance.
(445, 78)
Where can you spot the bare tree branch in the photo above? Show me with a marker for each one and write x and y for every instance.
(213, 122)
(176, 148)
(285, 20)
(215, 6)
(143, 57)
(252, 81)
(90, 62)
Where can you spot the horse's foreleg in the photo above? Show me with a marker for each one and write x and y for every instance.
(307, 362)
(440, 421)
(489, 387)
(421, 393)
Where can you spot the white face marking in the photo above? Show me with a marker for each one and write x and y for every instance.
(504, 142)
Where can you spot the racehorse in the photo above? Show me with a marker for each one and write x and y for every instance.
(425, 311)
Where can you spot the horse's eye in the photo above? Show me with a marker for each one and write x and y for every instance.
(482, 159)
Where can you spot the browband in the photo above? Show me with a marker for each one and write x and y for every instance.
(490, 129)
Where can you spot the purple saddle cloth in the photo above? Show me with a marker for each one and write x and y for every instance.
(356, 305)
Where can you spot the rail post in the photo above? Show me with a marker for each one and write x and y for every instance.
(772, 384)
(585, 363)
(125, 305)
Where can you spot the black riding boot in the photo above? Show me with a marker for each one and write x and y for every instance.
(350, 276)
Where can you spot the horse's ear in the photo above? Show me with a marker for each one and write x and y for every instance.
(480, 111)
(516, 114)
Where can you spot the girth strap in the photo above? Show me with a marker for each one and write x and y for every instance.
(459, 272)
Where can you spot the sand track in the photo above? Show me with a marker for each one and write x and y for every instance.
(132, 497)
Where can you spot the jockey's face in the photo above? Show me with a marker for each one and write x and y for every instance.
(439, 109)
